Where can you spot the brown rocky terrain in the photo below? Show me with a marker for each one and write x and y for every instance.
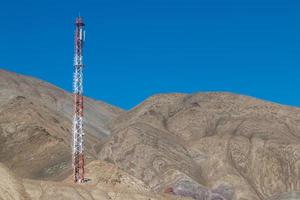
(207, 146)
(210, 144)
(107, 183)
(35, 127)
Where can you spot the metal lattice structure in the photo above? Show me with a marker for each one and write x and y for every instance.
(78, 134)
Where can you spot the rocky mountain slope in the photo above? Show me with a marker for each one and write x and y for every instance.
(207, 146)
(35, 126)
(210, 144)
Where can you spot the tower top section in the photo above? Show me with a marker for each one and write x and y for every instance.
(79, 21)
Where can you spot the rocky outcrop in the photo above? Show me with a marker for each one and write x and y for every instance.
(148, 153)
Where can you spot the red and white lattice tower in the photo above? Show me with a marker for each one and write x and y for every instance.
(78, 134)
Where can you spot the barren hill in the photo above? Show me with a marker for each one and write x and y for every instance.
(206, 146)
(202, 144)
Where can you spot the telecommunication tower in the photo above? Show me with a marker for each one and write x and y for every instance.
(78, 134)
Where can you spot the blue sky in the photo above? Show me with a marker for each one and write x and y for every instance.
(135, 49)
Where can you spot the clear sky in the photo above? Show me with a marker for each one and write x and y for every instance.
(135, 49)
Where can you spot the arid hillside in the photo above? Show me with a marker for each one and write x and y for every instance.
(206, 146)
(209, 144)
(107, 183)
(36, 123)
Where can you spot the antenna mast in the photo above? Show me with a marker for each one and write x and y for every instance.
(78, 134)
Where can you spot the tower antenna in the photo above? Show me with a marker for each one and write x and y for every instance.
(78, 134)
